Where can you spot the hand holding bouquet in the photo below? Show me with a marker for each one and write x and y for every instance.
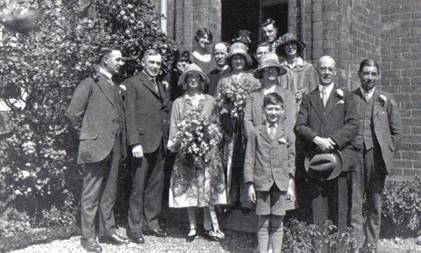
(196, 136)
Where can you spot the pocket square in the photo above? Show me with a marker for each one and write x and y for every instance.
(340, 102)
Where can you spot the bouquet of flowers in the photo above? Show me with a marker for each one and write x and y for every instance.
(231, 98)
(197, 135)
(231, 101)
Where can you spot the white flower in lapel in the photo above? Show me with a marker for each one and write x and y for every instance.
(340, 95)
(382, 99)
(282, 140)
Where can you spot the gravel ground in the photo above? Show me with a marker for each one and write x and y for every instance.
(174, 242)
(237, 242)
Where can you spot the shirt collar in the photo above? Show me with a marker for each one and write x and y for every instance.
(328, 88)
(296, 63)
(105, 73)
(153, 79)
(269, 125)
(225, 67)
(369, 94)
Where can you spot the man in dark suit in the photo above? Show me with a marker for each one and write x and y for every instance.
(147, 119)
(96, 113)
(327, 121)
(380, 132)
(220, 55)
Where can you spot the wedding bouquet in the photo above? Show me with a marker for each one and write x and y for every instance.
(197, 135)
(231, 99)
(230, 103)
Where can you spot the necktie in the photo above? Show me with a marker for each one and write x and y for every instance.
(272, 131)
(324, 96)
(366, 96)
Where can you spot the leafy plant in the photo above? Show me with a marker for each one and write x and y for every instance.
(38, 171)
(402, 207)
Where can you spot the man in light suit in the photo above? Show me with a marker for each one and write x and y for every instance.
(380, 132)
(327, 121)
(96, 113)
(146, 111)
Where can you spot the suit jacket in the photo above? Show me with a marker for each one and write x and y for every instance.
(387, 124)
(214, 77)
(146, 111)
(254, 116)
(94, 115)
(269, 161)
(338, 120)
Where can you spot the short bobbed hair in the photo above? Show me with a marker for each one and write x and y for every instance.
(201, 33)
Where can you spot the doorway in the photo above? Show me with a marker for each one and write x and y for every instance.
(248, 14)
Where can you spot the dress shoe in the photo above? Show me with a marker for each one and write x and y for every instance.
(191, 236)
(214, 235)
(113, 239)
(159, 232)
(136, 237)
(90, 245)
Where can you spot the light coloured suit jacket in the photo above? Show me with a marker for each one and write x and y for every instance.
(269, 161)
(387, 124)
(254, 116)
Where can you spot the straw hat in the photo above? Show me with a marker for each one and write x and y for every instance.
(241, 49)
(191, 68)
(269, 60)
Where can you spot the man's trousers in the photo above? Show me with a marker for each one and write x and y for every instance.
(99, 193)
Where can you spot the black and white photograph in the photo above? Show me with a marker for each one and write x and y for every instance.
(240, 126)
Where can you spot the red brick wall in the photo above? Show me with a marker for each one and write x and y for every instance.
(401, 74)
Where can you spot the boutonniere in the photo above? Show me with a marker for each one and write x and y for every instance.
(282, 140)
(382, 99)
(340, 95)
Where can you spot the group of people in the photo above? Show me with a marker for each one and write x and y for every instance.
(301, 140)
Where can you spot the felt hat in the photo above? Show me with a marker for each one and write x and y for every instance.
(191, 68)
(269, 60)
(325, 166)
(241, 49)
(288, 38)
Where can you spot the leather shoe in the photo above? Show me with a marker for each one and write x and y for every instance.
(191, 238)
(136, 237)
(90, 245)
(159, 232)
(113, 239)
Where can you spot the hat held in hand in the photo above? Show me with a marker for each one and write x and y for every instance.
(324, 166)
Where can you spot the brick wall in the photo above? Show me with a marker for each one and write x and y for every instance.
(186, 16)
(366, 34)
(401, 74)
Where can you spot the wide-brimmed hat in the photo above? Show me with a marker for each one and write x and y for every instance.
(241, 49)
(269, 60)
(325, 166)
(191, 68)
(288, 38)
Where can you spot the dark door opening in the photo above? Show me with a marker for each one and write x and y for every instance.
(240, 15)
(248, 14)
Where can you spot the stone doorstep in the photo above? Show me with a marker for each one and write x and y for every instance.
(236, 221)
